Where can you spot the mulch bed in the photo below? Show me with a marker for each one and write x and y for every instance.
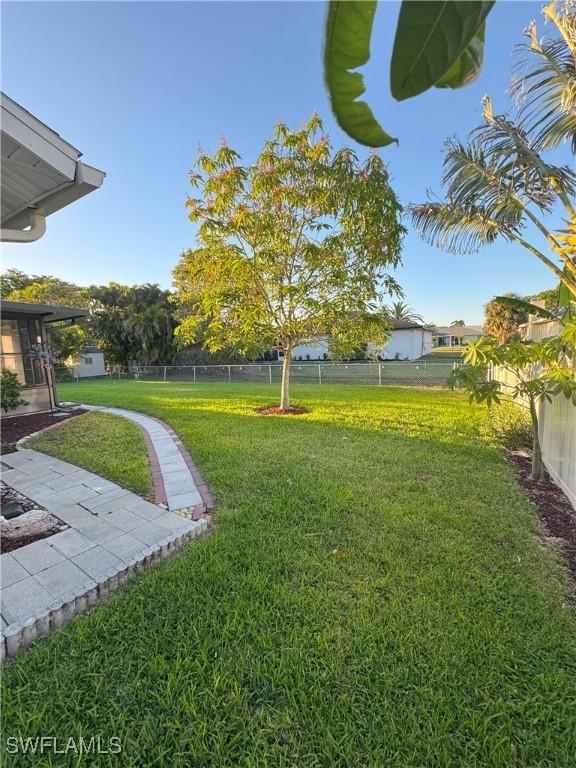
(28, 533)
(554, 508)
(15, 427)
(275, 411)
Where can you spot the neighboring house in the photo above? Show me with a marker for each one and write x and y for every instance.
(318, 349)
(538, 328)
(40, 174)
(455, 335)
(90, 362)
(407, 341)
(23, 331)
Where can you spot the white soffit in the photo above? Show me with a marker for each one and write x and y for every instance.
(40, 172)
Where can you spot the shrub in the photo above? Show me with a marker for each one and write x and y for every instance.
(511, 425)
(11, 389)
(63, 373)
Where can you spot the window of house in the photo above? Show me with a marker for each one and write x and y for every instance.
(17, 339)
(88, 361)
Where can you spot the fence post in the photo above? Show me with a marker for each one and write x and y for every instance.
(380, 374)
(164, 373)
(229, 374)
(270, 372)
(319, 374)
(194, 374)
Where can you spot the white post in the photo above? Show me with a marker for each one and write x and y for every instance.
(164, 373)
(319, 374)
(194, 374)
(229, 374)
(380, 374)
(270, 373)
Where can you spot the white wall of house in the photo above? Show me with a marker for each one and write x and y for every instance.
(457, 335)
(537, 329)
(88, 364)
(404, 344)
(313, 350)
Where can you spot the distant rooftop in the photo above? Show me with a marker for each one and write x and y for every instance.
(403, 325)
(458, 330)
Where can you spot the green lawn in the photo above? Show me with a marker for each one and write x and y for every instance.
(375, 593)
(108, 445)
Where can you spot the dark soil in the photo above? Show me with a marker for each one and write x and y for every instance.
(276, 411)
(11, 499)
(27, 538)
(15, 427)
(554, 507)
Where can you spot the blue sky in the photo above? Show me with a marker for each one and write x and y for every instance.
(137, 86)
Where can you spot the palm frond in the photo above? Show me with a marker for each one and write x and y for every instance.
(401, 310)
(474, 180)
(454, 229)
(544, 87)
(525, 306)
(509, 150)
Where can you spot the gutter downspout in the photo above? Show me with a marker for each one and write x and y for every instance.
(37, 229)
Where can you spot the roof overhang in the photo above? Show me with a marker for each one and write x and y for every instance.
(40, 172)
(49, 313)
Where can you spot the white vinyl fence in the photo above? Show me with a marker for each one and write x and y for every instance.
(420, 373)
(558, 440)
(557, 432)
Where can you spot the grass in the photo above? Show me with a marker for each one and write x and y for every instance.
(107, 445)
(375, 594)
(445, 354)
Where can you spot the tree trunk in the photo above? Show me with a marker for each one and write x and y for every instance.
(537, 473)
(285, 393)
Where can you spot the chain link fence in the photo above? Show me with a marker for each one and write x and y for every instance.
(418, 373)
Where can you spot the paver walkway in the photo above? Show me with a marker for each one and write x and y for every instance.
(111, 531)
(177, 482)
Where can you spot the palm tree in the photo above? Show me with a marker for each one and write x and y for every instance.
(544, 86)
(502, 320)
(400, 310)
(498, 182)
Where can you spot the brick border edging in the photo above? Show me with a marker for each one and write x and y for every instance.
(19, 635)
(154, 464)
(209, 502)
(200, 511)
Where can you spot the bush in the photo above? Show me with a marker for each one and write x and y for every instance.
(62, 374)
(11, 389)
(511, 425)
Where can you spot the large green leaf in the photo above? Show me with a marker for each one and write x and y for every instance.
(467, 66)
(525, 306)
(347, 47)
(430, 37)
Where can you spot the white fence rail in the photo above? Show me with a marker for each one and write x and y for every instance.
(557, 432)
(420, 373)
